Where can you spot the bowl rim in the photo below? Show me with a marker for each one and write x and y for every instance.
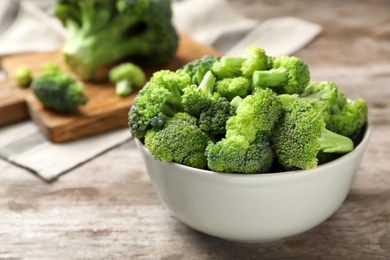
(364, 140)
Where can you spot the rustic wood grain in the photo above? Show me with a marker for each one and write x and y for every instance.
(107, 208)
(104, 110)
(12, 102)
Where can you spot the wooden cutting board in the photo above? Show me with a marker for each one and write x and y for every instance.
(104, 111)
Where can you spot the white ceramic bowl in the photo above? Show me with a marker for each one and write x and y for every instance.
(257, 207)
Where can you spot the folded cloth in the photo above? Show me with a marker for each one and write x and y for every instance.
(213, 23)
(32, 30)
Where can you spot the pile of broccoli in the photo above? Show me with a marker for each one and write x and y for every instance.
(249, 114)
(101, 33)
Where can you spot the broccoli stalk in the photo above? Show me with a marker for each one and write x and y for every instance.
(102, 32)
(289, 75)
(127, 77)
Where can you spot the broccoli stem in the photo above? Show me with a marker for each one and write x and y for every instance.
(236, 101)
(331, 142)
(124, 87)
(228, 66)
(270, 78)
(207, 83)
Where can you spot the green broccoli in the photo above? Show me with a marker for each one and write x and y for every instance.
(232, 66)
(157, 101)
(321, 95)
(289, 75)
(127, 77)
(259, 111)
(198, 68)
(179, 141)
(23, 76)
(237, 155)
(213, 120)
(103, 32)
(348, 119)
(197, 99)
(57, 90)
(232, 87)
(301, 134)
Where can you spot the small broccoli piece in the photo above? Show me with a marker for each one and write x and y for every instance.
(228, 67)
(198, 68)
(321, 95)
(213, 120)
(197, 99)
(103, 32)
(301, 134)
(180, 141)
(23, 76)
(127, 77)
(259, 111)
(232, 87)
(349, 119)
(233, 66)
(289, 75)
(236, 155)
(57, 90)
(156, 102)
(256, 60)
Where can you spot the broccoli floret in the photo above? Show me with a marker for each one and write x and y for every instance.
(301, 134)
(213, 120)
(23, 76)
(127, 77)
(321, 95)
(289, 75)
(232, 66)
(236, 155)
(259, 111)
(102, 32)
(156, 102)
(232, 87)
(349, 119)
(256, 60)
(57, 90)
(180, 141)
(197, 99)
(198, 68)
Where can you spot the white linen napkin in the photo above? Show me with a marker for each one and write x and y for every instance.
(213, 23)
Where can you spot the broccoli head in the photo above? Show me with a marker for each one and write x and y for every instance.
(179, 141)
(232, 87)
(259, 111)
(301, 134)
(234, 66)
(289, 75)
(156, 102)
(321, 95)
(127, 77)
(213, 120)
(57, 90)
(236, 155)
(197, 99)
(103, 32)
(349, 119)
(198, 68)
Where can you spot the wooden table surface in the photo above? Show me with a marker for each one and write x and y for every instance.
(107, 209)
